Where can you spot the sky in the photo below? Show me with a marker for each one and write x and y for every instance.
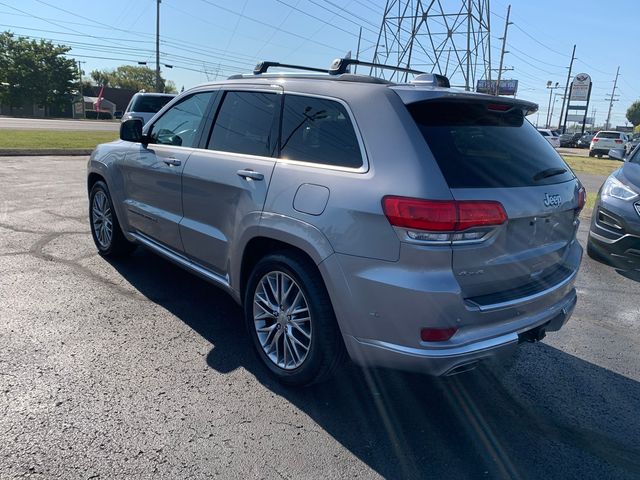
(205, 40)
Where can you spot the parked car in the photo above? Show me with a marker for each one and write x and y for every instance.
(569, 140)
(551, 136)
(614, 236)
(409, 226)
(144, 106)
(605, 140)
(118, 114)
(585, 140)
(633, 142)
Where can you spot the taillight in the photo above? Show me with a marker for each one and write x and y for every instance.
(442, 215)
(618, 141)
(582, 199)
(595, 140)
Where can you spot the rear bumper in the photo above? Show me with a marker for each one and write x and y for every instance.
(381, 308)
(451, 360)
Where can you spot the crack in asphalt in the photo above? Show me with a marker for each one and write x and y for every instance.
(46, 237)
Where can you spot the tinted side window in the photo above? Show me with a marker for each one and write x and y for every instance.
(319, 131)
(246, 124)
(181, 124)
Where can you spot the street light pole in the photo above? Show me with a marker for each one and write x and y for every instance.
(551, 88)
(158, 84)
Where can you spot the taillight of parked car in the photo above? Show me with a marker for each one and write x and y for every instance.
(443, 220)
(618, 141)
(582, 200)
(595, 140)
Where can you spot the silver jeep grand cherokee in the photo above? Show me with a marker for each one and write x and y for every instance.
(409, 225)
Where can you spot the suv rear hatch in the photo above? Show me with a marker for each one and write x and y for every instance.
(607, 140)
(488, 151)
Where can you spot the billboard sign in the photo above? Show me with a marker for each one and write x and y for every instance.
(580, 88)
(507, 87)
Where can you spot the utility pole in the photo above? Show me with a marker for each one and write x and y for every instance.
(565, 97)
(612, 99)
(355, 69)
(504, 44)
(81, 88)
(158, 84)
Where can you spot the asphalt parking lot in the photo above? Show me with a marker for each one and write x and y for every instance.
(136, 369)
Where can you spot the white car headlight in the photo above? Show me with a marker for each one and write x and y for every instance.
(615, 188)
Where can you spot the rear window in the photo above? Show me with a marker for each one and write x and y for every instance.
(607, 135)
(149, 104)
(479, 148)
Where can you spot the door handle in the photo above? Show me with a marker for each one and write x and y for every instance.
(247, 174)
(172, 161)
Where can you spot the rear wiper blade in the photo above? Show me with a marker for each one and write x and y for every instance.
(549, 172)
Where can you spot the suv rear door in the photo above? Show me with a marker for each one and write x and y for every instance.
(488, 151)
(226, 181)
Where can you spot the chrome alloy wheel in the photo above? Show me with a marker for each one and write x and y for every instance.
(282, 320)
(102, 219)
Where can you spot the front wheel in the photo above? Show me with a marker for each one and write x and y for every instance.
(105, 228)
(290, 319)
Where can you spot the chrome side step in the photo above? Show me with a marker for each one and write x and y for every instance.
(184, 262)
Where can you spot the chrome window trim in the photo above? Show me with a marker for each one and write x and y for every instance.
(363, 151)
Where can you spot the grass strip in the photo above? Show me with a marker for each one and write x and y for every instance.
(595, 166)
(54, 139)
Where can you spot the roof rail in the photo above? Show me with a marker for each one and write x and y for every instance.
(341, 65)
(262, 67)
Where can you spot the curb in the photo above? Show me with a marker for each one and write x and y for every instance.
(26, 152)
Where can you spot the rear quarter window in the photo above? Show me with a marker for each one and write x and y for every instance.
(479, 148)
(318, 130)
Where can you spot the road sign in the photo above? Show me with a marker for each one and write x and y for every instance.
(580, 88)
(507, 87)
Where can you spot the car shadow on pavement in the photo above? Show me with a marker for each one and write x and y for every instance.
(552, 415)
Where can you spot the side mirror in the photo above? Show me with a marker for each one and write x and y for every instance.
(131, 130)
(617, 154)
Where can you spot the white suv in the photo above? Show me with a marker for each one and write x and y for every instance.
(551, 137)
(606, 140)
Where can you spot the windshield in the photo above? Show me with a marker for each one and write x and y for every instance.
(479, 148)
(149, 103)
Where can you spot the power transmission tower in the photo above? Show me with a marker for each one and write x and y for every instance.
(612, 99)
(452, 40)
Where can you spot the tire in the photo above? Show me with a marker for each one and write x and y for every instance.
(591, 154)
(109, 239)
(273, 332)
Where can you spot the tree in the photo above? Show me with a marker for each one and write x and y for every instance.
(133, 78)
(35, 71)
(633, 113)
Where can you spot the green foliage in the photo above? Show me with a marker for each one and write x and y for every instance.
(133, 78)
(633, 113)
(35, 71)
